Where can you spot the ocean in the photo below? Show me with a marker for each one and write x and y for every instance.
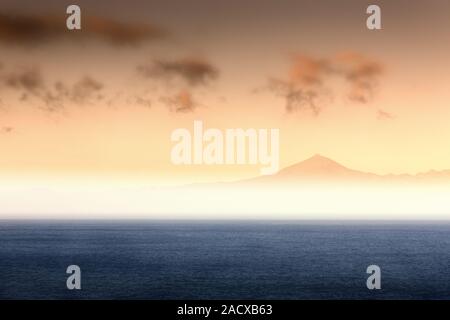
(224, 260)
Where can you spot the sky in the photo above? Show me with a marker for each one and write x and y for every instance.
(100, 104)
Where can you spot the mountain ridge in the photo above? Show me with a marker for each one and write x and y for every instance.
(322, 168)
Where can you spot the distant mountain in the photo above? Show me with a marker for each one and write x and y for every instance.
(320, 169)
(434, 174)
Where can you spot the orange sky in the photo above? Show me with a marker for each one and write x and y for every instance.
(402, 126)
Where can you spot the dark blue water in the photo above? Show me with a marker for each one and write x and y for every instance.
(203, 260)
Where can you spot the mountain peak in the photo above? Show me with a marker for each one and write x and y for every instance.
(319, 158)
(319, 161)
(319, 168)
(316, 165)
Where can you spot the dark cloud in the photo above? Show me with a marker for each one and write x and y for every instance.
(120, 33)
(181, 102)
(194, 71)
(28, 79)
(82, 92)
(305, 86)
(296, 97)
(184, 76)
(36, 29)
(16, 29)
(30, 83)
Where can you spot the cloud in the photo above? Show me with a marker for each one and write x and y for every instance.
(30, 83)
(360, 72)
(184, 76)
(29, 79)
(303, 86)
(308, 71)
(38, 29)
(181, 102)
(6, 130)
(82, 92)
(194, 71)
(306, 85)
(145, 102)
(26, 80)
(383, 115)
(85, 89)
(37, 91)
(296, 97)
